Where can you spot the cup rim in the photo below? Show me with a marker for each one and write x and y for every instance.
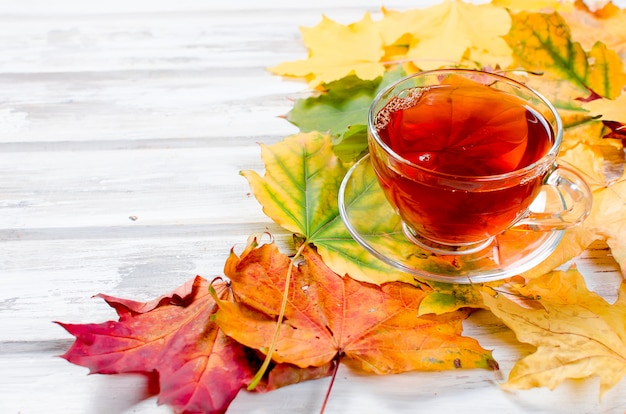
(541, 163)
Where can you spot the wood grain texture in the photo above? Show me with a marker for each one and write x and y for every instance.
(123, 128)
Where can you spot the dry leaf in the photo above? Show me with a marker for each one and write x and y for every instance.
(576, 332)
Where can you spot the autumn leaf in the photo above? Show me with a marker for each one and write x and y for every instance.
(542, 42)
(300, 171)
(469, 33)
(449, 297)
(341, 110)
(352, 145)
(607, 77)
(607, 109)
(200, 369)
(576, 332)
(607, 220)
(336, 51)
(449, 33)
(372, 328)
(299, 192)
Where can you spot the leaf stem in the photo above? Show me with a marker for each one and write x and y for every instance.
(268, 357)
(332, 381)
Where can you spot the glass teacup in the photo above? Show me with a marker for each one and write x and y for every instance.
(461, 156)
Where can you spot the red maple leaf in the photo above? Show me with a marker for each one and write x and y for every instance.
(200, 369)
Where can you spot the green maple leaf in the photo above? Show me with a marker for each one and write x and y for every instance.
(299, 192)
(341, 111)
(542, 42)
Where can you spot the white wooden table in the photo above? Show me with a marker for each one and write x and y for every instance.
(123, 128)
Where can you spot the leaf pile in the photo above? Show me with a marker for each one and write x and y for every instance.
(583, 76)
(205, 341)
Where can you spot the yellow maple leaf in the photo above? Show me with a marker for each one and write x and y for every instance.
(451, 32)
(608, 214)
(608, 109)
(576, 332)
(608, 219)
(337, 50)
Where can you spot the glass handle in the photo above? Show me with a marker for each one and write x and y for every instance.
(566, 200)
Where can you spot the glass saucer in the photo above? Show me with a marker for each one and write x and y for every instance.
(374, 224)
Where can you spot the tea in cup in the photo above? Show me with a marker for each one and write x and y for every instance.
(462, 154)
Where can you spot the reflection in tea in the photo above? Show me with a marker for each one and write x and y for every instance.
(459, 130)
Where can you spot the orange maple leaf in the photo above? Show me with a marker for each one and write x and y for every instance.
(199, 368)
(372, 328)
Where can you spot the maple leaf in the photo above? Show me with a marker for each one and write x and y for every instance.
(542, 42)
(576, 332)
(200, 369)
(607, 220)
(608, 109)
(299, 192)
(450, 32)
(336, 51)
(471, 33)
(341, 110)
(299, 170)
(449, 297)
(372, 328)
